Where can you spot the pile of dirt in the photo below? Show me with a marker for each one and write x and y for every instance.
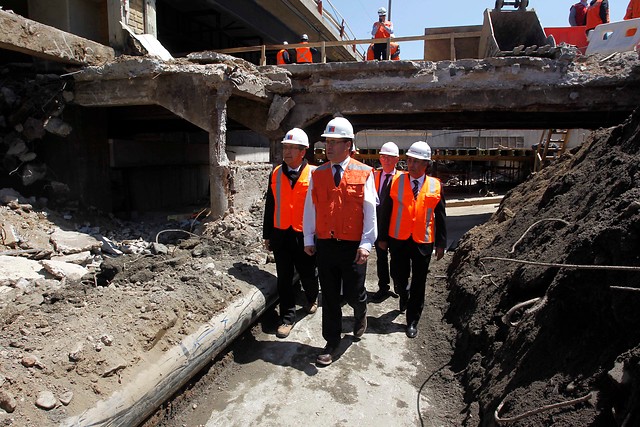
(577, 340)
(66, 344)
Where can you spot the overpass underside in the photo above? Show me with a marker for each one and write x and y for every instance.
(214, 91)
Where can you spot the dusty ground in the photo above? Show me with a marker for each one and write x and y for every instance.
(80, 340)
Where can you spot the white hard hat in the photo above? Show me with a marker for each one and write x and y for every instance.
(382, 11)
(304, 37)
(338, 127)
(420, 150)
(296, 136)
(390, 149)
(285, 43)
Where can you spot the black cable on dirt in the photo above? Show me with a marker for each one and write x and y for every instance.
(571, 266)
(501, 421)
(513, 248)
(422, 386)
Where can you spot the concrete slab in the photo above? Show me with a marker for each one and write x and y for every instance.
(369, 383)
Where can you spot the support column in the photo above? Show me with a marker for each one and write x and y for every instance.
(219, 171)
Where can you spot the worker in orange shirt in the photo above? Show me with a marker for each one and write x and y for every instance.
(304, 55)
(283, 57)
(382, 29)
(597, 13)
(633, 10)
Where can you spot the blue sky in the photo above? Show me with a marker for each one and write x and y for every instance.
(411, 17)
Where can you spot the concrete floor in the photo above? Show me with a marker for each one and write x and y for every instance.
(278, 383)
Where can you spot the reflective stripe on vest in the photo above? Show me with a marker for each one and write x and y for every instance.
(339, 210)
(414, 218)
(289, 202)
(303, 55)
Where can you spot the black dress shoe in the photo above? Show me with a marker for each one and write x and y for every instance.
(412, 329)
(380, 296)
(360, 327)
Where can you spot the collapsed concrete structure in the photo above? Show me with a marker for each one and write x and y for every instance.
(173, 117)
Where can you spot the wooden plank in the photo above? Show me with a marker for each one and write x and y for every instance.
(32, 38)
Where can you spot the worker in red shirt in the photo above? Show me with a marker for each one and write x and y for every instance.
(382, 29)
(633, 10)
(578, 14)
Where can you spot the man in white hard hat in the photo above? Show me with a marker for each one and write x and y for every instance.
(412, 225)
(282, 228)
(389, 156)
(283, 57)
(382, 29)
(340, 225)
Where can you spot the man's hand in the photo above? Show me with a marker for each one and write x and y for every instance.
(439, 253)
(383, 245)
(361, 256)
(310, 250)
(266, 244)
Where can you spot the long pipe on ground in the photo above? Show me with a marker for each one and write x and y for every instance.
(134, 403)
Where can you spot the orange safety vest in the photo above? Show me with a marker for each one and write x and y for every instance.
(395, 52)
(382, 32)
(280, 57)
(339, 210)
(303, 55)
(414, 217)
(370, 53)
(289, 202)
(377, 176)
(633, 10)
(593, 15)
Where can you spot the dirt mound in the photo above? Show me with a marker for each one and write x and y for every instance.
(578, 339)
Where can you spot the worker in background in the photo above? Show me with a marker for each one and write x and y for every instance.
(283, 57)
(304, 55)
(412, 225)
(633, 10)
(340, 225)
(389, 156)
(578, 14)
(395, 52)
(382, 29)
(282, 228)
(597, 13)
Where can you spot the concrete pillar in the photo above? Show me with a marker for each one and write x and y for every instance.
(219, 171)
(115, 13)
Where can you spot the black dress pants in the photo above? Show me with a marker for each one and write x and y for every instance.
(382, 268)
(340, 277)
(290, 257)
(409, 258)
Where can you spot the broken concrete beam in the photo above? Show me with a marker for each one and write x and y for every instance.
(72, 242)
(280, 107)
(32, 38)
(60, 269)
(13, 269)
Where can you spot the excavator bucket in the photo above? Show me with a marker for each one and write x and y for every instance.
(504, 31)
